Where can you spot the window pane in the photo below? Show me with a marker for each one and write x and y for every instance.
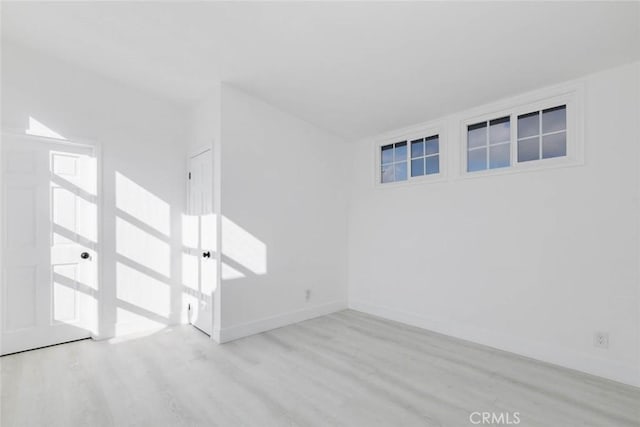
(554, 145)
(433, 164)
(417, 148)
(433, 145)
(529, 149)
(528, 125)
(387, 173)
(554, 119)
(417, 167)
(499, 156)
(477, 160)
(401, 170)
(500, 130)
(401, 152)
(477, 135)
(387, 154)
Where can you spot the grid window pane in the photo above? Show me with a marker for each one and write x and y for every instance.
(417, 167)
(432, 145)
(433, 165)
(528, 125)
(400, 152)
(417, 148)
(477, 160)
(400, 170)
(499, 156)
(477, 135)
(387, 173)
(529, 149)
(387, 154)
(554, 145)
(554, 119)
(500, 130)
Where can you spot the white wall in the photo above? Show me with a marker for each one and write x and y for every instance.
(284, 209)
(532, 263)
(142, 139)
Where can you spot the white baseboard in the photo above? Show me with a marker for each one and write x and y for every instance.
(267, 323)
(563, 357)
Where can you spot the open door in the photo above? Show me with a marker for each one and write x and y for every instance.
(50, 242)
(199, 231)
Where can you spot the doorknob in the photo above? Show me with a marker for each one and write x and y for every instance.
(206, 254)
(85, 255)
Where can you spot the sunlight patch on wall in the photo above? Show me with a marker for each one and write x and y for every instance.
(142, 291)
(143, 205)
(229, 273)
(36, 128)
(143, 248)
(243, 248)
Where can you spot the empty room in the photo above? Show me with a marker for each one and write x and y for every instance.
(320, 214)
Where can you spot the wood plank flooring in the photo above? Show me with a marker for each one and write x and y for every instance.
(344, 369)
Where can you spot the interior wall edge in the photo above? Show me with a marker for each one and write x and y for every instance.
(566, 358)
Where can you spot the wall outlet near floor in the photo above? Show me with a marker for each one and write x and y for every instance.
(601, 339)
(307, 295)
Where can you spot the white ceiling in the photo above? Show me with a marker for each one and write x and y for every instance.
(354, 68)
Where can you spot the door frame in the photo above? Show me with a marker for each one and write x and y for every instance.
(97, 151)
(193, 152)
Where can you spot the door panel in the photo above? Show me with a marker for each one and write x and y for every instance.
(20, 219)
(49, 205)
(21, 291)
(65, 298)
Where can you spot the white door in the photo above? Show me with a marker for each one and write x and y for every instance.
(200, 241)
(49, 243)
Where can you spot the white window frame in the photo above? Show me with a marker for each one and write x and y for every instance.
(571, 96)
(409, 135)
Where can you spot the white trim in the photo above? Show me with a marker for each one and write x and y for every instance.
(409, 134)
(582, 362)
(277, 321)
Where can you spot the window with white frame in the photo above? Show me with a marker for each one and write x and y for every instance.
(542, 134)
(539, 134)
(489, 144)
(394, 162)
(410, 159)
(425, 156)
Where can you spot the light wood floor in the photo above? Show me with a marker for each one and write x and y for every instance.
(345, 369)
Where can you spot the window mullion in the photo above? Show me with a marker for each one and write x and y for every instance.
(408, 160)
(540, 135)
(487, 143)
(513, 139)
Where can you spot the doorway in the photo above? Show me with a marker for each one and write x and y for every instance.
(200, 236)
(50, 242)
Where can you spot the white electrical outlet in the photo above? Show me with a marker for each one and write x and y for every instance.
(307, 295)
(601, 339)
